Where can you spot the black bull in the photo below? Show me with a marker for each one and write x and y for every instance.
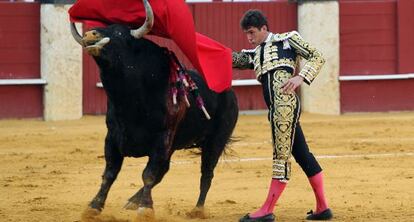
(142, 120)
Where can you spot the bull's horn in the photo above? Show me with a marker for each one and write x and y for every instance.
(75, 33)
(100, 44)
(149, 22)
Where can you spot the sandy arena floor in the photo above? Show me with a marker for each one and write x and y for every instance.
(51, 170)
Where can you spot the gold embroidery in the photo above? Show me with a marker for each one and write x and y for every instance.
(241, 60)
(272, 59)
(314, 58)
(284, 36)
(282, 62)
(256, 60)
(283, 112)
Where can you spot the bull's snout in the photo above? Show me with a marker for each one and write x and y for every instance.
(91, 37)
(93, 42)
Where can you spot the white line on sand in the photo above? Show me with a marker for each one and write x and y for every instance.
(373, 155)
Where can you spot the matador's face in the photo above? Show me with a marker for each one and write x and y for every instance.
(256, 36)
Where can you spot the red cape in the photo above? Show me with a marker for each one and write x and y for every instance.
(172, 19)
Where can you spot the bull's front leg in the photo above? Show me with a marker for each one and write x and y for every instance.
(114, 161)
(157, 166)
(161, 156)
(152, 175)
(135, 201)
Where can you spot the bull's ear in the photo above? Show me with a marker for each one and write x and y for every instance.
(149, 22)
(76, 34)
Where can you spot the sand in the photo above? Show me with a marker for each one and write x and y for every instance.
(51, 170)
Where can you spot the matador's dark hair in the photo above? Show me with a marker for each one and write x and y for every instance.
(253, 18)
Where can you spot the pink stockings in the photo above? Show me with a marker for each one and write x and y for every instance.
(276, 188)
(316, 182)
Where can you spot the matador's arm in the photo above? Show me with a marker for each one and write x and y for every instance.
(314, 58)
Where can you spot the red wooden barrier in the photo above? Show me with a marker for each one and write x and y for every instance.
(20, 59)
(377, 95)
(368, 37)
(94, 98)
(376, 37)
(405, 36)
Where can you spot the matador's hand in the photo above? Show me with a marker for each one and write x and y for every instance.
(291, 84)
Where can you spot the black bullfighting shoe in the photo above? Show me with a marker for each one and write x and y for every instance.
(324, 215)
(265, 218)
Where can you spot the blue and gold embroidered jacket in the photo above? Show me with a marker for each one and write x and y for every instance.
(281, 50)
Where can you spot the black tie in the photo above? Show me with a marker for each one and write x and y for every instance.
(262, 54)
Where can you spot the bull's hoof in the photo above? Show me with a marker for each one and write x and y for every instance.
(133, 202)
(89, 214)
(131, 206)
(197, 212)
(145, 215)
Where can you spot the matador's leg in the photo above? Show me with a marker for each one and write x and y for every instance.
(284, 114)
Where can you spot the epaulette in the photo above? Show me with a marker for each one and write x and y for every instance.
(285, 35)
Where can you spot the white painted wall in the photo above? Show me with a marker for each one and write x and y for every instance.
(319, 25)
(61, 65)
